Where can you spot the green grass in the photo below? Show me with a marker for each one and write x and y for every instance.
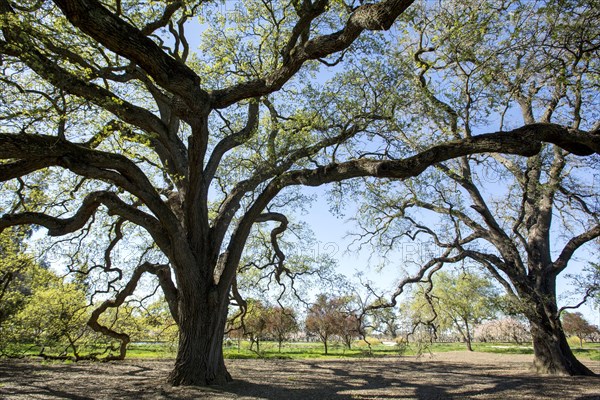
(134, 350)
(315, 350)
(299, 351)
(590, 351)
(151, 350)
(503, 348)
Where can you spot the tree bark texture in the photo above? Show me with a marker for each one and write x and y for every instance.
(200, 353)
(552, 354)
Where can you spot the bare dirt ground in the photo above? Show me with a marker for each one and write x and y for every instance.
(454, 375)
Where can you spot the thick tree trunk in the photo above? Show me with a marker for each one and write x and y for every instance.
(199, 359)
(552, 354)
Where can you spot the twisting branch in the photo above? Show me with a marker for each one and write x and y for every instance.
(62, 226)
(283, 224)
(119, 300)
(372, 17)
(242, 305)
(230, 142)
(590, 292)
(163, 21)
(92, 18)
(572, 245)
(429, 267)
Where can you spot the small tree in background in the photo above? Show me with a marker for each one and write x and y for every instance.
(385, 320)
(458, 301)
(575, 324)
(18, 271)
(37, 306)
(324, 318)
(54, 318)
(252, 322)
(280, 324)
(349, 328)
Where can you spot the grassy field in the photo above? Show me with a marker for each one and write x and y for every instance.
(314, 350)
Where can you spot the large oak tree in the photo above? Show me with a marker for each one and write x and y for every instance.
(522, 219)
(137, 138)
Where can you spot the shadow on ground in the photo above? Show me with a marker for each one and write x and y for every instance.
(387, 378)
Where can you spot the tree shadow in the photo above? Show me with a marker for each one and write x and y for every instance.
(333, 380)
(41, 391)
(393, 378)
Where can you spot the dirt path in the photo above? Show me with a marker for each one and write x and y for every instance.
(454, 375)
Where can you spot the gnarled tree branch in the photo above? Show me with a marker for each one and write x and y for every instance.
(116, 302)
(373, 17)
(283, 224)
(92, 18)
(62, 226)
(572, 245)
